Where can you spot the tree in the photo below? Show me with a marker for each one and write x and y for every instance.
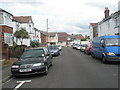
(21, 34)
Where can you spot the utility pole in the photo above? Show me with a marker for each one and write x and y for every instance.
(47, 30)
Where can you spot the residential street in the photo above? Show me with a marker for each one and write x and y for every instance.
(72, 69)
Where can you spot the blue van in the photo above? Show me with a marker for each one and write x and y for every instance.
(106, 48)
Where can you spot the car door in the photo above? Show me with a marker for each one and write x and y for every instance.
(101, 48)
(47, 55)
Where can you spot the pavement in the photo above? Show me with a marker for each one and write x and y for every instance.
(5, 71)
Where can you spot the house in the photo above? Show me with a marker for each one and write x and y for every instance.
(59, 38)
(52, 38)
(43, 35)
(63, 38)
(76, 38)
(6, 31)
(24, 22)
(93, 30)
(37, 35)
(110, 25)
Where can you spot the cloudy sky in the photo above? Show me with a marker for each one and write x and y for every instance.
(71, 16)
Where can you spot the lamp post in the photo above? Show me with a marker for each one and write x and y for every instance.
(47, 30)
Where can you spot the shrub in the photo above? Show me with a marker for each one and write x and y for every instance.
(34, 44)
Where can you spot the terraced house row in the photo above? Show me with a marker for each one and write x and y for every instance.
(110, 25)
(9, 24)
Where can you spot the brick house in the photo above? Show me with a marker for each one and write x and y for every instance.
(43, 35)
(6, 31)
(63, 38)
(75, 38)
(60, 38)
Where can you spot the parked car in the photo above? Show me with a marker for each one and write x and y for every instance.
(59, 47)
(32, 61)
(106, 48)
(75, 46)
(83, 46)
(88, 49)
(78, 46)
(54, 50)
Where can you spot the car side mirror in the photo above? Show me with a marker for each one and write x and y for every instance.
(102, 45)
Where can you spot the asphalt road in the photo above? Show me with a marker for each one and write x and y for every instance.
(72, 69)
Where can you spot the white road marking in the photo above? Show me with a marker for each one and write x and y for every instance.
(21, 83)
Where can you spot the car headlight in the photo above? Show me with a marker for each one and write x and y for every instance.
(15, 66)
(110, 53)
(38, 64)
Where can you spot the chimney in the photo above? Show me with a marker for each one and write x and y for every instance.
(106, 12)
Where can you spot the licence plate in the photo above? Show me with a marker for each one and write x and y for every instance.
(25, 70)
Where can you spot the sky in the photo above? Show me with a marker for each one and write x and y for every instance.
(71, 16)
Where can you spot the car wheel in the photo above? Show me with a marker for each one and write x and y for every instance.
(86, 52)
(46, 70)
(104, 60)
(51, 64)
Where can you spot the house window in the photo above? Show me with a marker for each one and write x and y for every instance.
(117, 22)
(8, 39)
(30, 28)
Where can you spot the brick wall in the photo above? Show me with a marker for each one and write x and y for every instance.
(4, 49)
(43, 38)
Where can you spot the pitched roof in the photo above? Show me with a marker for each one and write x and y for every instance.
(117, 13)
(62, 36)
(1, 10)
(51, 34)
(76, 36)
(22, 19)
(43, 32)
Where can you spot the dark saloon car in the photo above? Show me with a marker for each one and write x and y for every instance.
(32, 61)
(59, 47)
(54, 50)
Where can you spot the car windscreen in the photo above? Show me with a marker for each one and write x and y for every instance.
(84, 45)
(33, 53)
(112, 42)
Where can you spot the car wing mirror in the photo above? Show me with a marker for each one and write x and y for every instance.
(102, 45)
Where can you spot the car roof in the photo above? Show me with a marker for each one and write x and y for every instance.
(111, 36)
